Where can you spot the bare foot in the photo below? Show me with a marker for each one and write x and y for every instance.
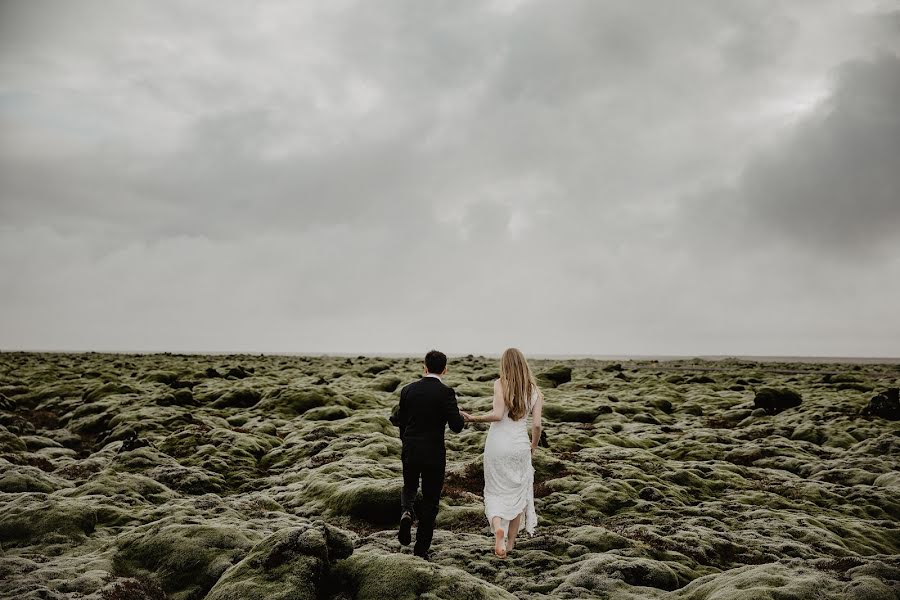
(499, 546)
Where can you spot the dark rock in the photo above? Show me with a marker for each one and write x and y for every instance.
(701, 379)
(662, 404)
(386, 383)
(212, 373)
(555, 375)
(775, 400)
(184, 397)
(565, 414)
(237, 372)
(885, 405)
(132, 441)
(613, 368)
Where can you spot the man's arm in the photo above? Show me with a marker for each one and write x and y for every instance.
(400, 414)
(451, 410)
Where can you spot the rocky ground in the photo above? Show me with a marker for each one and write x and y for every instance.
(226, 477)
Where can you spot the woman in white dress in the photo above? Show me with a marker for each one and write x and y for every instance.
(508, 473)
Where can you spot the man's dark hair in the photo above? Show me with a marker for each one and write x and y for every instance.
(435, 362)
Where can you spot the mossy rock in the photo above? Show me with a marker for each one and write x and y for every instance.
(772, 580)
(108, 389)
(885, 405)
(291, 564)
(31, 518)
(775, 400)
(327, 413)
(573, 414)
(386, 383)
(595, 572)
(10, 442)
(662, 404)
(376, 502)
(555, 375)
(291, 401)
(165, 377)
(238, 398)
(405, 577)
(645, 418)
(25, 478)
(185, 558)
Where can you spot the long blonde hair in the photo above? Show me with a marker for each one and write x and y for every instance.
(517, 381)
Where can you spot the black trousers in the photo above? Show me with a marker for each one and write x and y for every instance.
(432, 476)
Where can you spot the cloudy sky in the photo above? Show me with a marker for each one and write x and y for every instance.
(578, 177)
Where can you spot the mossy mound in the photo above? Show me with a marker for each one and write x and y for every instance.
(885, 405)
(186, 559)
(793, 580)
(555, 375)
(293, 401)
(775, 400)
(25, 478)
(405, 577)
(292, 564)
(573, 414)
(47, 519)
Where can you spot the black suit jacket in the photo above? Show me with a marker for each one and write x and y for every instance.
(426, 407)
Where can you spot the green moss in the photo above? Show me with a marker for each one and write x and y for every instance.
(291, 564)
(292, 401)
(386, 383)
(41, 518)
(405, 577)
(555, 375)
(186, 558)
(327, 413)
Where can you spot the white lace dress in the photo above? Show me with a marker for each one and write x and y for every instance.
(508, 473)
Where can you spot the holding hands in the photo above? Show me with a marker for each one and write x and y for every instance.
(466, 417)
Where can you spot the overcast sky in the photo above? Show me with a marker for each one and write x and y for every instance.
(587, 177)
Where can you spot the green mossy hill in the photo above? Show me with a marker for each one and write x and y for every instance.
(145, 477)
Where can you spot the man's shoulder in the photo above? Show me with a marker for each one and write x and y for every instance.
(410, 386)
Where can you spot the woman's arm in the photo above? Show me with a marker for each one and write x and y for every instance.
(497, 410)
(536, 422)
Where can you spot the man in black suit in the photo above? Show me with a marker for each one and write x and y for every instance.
(426, 407)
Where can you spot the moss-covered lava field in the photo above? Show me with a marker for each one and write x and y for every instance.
(273, 477)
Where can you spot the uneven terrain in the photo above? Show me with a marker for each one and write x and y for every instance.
(227, 477)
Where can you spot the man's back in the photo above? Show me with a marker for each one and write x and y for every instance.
(426, 407)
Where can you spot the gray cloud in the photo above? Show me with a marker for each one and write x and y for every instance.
(832, 184)
(332, 177)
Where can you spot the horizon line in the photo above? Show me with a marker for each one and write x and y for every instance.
(536, 356)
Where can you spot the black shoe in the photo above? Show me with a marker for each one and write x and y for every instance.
(405, 523)
(423, 555)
